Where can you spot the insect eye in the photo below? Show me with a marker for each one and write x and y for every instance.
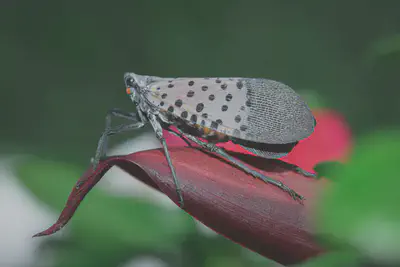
(130, 82)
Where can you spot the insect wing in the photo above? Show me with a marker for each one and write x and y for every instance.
(276, 114)
(258, 110)
(216, 103)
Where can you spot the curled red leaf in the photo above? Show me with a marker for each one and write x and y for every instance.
(256, 215)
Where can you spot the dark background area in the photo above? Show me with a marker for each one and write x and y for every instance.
(62, 61)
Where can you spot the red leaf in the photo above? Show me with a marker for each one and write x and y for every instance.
(246, 210)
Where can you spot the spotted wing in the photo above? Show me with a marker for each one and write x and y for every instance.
(256, 110)
(209, 102)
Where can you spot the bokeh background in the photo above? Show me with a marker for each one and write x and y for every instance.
(62, 64)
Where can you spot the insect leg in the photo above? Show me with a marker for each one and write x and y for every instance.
(103, 141)
(213, 148)
(159, 133)
(301, 171)
(180, 136)
(108, 131)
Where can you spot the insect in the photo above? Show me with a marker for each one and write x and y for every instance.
(263, 116)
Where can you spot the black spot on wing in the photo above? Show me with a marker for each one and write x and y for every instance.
(190, 93)
(214, 125)
(178, 103)
(238, 118)
(184, 114)
(199, 107)
(193, 118)
(243, 127)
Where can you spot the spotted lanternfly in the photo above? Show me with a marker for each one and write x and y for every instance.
(263, 116)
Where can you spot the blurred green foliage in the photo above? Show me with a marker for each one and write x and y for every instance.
(333, 259)
(328, 169)
(363, 206)
(106, 217)
(62, 64)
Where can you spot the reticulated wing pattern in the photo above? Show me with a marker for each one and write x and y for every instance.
(277, 114)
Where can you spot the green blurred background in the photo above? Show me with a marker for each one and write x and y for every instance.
(62, 64)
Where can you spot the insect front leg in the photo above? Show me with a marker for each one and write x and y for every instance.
(167, 128)
(213, 148)
(108, 131)
(159, 133)
(102, 145)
